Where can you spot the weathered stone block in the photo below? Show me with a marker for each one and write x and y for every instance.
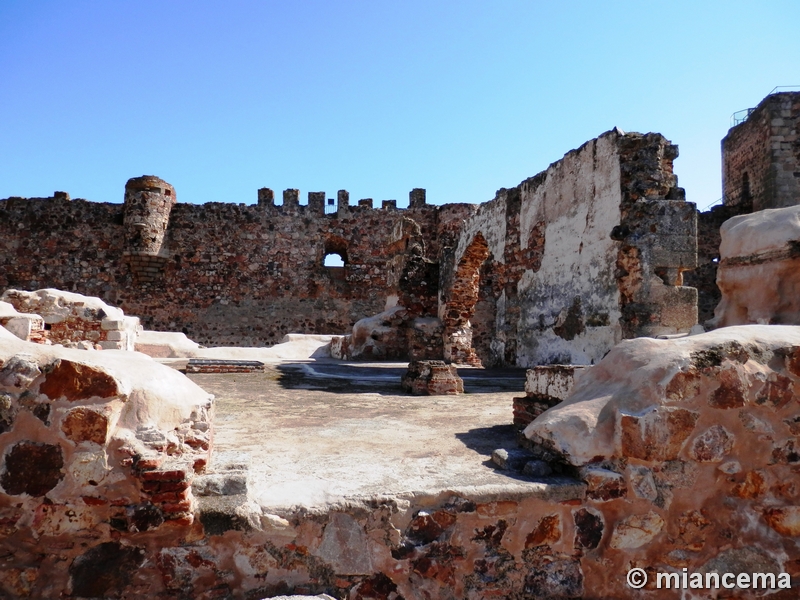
(19, 371)
(712, 445)
(589, 528)
(603, 484)
(555, 381)
(785, 520)
(513, 459)
(636, 531)
(546, 533)
(220, 484)
(344, 546)
(431, 378)
(86, 425)
(537, 468)
(658, 434)
(103, 569)
(32, 468)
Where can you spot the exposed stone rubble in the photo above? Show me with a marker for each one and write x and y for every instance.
(71, 319)
(431, 378)
(95, 447)
(687, 447)
(27, 327)
(545, 386)
(759, 269)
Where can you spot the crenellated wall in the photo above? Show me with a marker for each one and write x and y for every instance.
(221, 273)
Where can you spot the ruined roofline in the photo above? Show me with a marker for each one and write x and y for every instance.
(619, 135)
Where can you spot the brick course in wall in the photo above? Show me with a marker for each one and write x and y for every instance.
(562, 267)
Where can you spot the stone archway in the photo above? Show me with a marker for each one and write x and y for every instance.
(460, 308)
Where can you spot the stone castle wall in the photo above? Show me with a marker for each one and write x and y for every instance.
(557, 269)
(761, 156)
(221, 273)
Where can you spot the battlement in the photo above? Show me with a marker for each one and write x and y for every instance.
(316, 204)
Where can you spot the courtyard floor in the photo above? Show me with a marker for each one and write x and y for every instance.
(320, 433)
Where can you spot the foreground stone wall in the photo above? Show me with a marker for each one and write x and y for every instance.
(562, 267)
(93, 445)
(669, 454)
(688, 450)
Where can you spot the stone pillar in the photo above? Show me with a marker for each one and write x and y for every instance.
(389, 205)
(365, 202)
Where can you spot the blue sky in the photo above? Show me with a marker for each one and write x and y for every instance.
(375, 97)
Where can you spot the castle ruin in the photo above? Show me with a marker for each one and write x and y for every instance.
(648, 448)
(556, 270)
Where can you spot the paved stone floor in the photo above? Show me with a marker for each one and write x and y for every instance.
(319, 433)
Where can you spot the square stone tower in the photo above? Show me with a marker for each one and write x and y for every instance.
(761, 156)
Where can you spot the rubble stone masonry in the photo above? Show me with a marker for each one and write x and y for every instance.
(555, 270)
(224, 274)
(761, 156)
(562, 267)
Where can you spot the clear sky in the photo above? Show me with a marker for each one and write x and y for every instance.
(376, 97)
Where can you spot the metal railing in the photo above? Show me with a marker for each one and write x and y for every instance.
(740, 116)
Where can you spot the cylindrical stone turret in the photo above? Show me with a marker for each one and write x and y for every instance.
(148, 203)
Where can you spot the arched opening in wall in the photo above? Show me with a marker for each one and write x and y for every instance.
(334, 257)
(484, 319)
(464, 324)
